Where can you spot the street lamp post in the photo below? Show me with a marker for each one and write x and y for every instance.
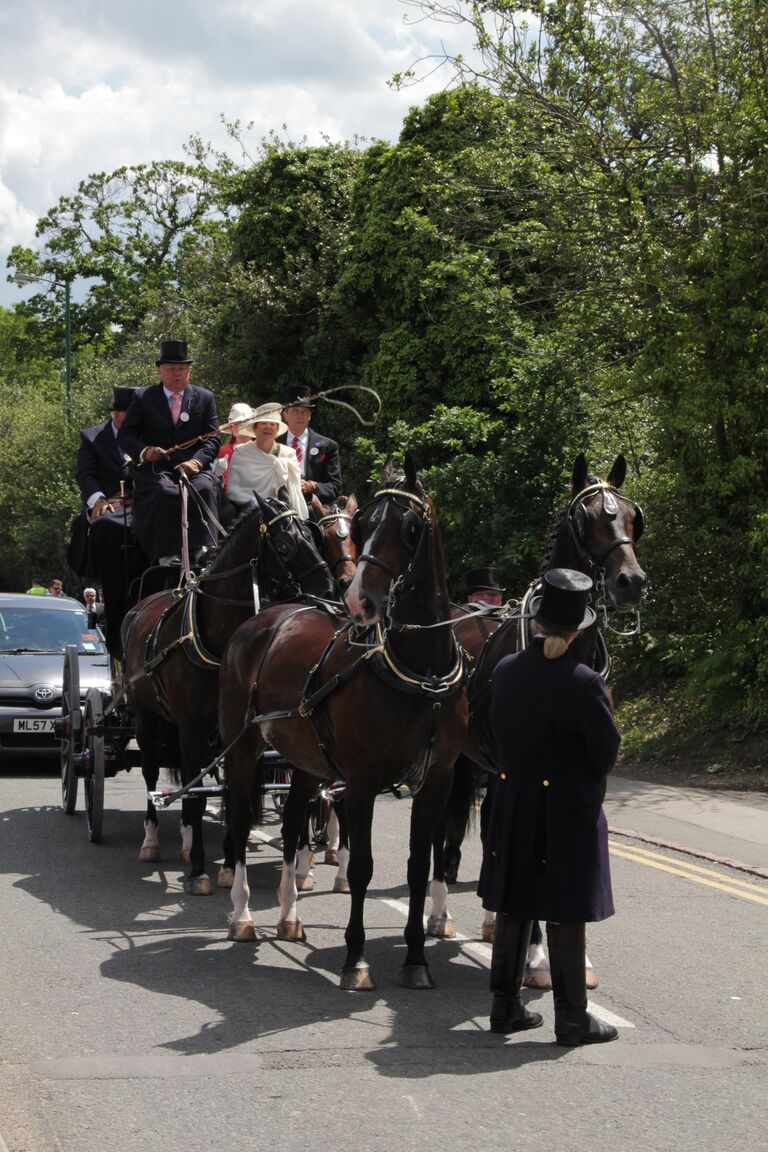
(28, 278)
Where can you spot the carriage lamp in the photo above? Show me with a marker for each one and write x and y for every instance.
(28, 278)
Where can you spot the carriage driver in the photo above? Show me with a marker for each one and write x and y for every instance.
(102, 537)
(172, 428)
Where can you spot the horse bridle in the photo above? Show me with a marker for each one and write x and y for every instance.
(577, 517)
(577, 513)
(342, 520)
(291, 577)
(409, 520)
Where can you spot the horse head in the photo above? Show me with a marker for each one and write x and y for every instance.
(392, 534)
(340, 554)
(291, 563)
(599, 534)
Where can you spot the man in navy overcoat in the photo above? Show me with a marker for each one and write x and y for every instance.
(545, 855)
(159, 421)
(102, 534)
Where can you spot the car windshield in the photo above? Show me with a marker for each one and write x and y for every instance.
(48, 630)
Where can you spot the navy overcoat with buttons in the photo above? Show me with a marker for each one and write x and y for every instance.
(545, 855)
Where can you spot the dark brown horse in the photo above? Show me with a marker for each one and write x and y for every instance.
(378, 703)
(173, 643)
(596, 534)
(339, 552)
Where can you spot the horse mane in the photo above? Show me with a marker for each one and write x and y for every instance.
(224, 549)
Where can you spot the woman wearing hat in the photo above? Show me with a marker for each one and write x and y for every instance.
(261, 467)
(239, 428)
(546, 852)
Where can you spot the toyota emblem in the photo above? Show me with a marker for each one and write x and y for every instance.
(43, 694)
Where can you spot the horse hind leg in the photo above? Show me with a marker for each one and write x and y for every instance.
(439, 921)
(332, 843)
(339, 813)
(289, 926)
(149, 852)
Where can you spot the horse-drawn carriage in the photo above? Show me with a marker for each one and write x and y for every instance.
(270, 555)
(377, 693)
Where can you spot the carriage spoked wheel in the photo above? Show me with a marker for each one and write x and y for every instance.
(71, 729)
(93, 764)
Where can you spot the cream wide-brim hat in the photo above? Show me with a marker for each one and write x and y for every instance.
(237, 414)
(269, 414)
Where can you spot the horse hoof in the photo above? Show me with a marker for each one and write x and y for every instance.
(591, 978)
(340, 885)
(149, 855)
(331, 857)
(487, 933)
(357, 979)
(416, 976)
(185, 856)
(305, 883)
(242, 933)
(226, 878)
(291, 930)
(441, 926)
(537, 978)
(198, 885)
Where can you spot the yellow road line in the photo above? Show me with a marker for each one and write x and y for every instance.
(761, 888)
(689, 876)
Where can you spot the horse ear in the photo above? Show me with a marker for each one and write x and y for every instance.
(580, 473)
(283, 495)
(386, 473)
(618, 473)
(351, 504)
(317, 506)
(410, 471)
(265, 509)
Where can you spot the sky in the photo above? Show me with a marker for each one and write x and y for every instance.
(89, 85)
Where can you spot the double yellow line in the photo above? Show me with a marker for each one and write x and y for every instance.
(758, 893)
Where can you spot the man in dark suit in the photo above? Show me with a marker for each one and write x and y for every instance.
(318, 456)
(103, 532)
(172, 428)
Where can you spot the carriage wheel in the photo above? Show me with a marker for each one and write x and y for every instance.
(93, 765)
(72, 728)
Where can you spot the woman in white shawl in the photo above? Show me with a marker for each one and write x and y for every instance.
(263, 467)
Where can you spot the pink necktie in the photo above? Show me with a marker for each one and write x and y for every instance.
(175, 403)
(297, 449)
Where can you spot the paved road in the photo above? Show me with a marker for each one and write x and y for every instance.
(129, 1022)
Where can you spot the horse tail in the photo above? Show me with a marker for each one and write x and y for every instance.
(461, 806)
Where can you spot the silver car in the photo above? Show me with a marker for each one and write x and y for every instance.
(34, 631)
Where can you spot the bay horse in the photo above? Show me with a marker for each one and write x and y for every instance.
(596, 534)
(375, 701)
(173, 642)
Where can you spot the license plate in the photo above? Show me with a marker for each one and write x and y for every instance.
(34, 724)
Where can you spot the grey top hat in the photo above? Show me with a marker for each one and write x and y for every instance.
(564, 602)
(173, 352)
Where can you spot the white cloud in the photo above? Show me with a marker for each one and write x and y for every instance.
(90, 85)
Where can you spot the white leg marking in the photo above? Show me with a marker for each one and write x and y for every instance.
(341, 883)
(186, 842)
(150, 848)
(305, 877)
(332, 831)
(287, 893)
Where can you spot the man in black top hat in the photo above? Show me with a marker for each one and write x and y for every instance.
(172, 428)
(318, 456)
(483, 588)
(102, 543)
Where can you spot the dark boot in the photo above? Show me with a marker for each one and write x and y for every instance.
(573, 1024)
(510, 949)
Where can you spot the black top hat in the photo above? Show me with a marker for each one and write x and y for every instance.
(173, 352)
(121, 398)
(563, 604)
(482, 579)
(296, 394)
